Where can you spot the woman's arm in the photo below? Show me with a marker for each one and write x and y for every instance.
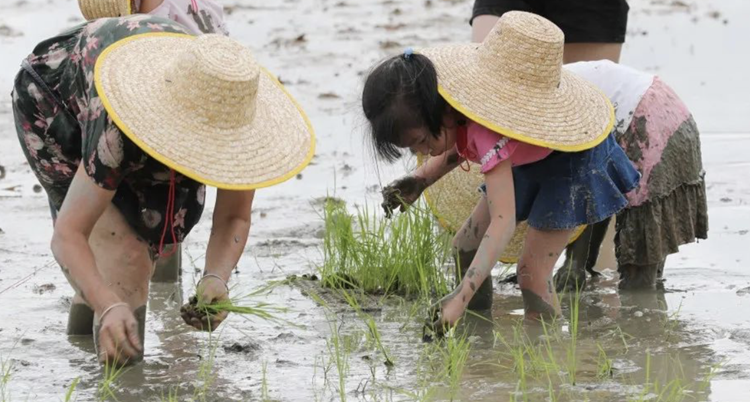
(229, 233)
(501, 203)
(231, 226)
(84, 203)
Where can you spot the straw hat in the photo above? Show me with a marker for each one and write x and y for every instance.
(513, 83)
(204, 107)
(93, 9)
(452, 199)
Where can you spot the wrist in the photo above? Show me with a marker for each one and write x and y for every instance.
(208, 276)
(103, 299)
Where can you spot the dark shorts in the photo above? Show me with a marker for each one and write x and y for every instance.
(582, 21)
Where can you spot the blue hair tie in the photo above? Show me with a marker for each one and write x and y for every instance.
(408, 52)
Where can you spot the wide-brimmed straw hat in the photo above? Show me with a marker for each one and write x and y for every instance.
(452, 200)
(93, 9)
(513, 83)
(203, 107)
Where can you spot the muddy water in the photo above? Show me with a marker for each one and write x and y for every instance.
(320, 49)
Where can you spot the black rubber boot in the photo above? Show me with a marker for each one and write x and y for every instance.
(580, 257)
(80, 319)
(169, 269)
(482, 299)
(639, 277)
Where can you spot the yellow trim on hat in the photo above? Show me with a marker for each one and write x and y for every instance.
(520, 137)
(184, 170)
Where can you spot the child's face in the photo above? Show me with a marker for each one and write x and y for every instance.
(420, 140)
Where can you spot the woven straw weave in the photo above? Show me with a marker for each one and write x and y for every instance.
(204, 107)
(93, 9)
(514, 84)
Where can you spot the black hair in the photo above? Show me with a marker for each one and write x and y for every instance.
(400, 94)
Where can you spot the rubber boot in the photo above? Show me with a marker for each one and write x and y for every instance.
(169, 269)
(638, 277)
(140, 316)
(580, 257)
(482, 299)
(80, 319)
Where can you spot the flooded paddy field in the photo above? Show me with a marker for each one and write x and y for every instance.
(690, 342)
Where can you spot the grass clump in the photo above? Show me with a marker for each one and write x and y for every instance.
(403, 255)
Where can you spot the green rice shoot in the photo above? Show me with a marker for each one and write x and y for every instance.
(403, 255)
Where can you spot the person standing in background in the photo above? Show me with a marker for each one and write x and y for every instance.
(594, 29)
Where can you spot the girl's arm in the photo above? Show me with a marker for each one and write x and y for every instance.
(407, 190)
(229, 233)
(437, 167)
(501, 203)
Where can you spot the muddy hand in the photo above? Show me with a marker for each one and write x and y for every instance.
(118, 336)
(402, 193)
(211, 290)
(444, 315)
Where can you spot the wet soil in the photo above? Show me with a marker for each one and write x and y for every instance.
(701, 320)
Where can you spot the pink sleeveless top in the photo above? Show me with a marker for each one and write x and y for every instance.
(481, 145)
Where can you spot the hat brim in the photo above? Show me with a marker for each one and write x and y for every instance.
(453, 198)
(574, 116)
(274, 147)
(93, 9)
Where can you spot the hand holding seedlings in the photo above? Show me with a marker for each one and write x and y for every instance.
(444, 315)
(402, 193)
(211, 289)
(118, 335)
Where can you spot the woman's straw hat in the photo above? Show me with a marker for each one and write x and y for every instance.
(93, 9)
(452, 199)
(513, 83)
(204, 107)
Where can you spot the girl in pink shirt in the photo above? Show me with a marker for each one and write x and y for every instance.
(556, 167)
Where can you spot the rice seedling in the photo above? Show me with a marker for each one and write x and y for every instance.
(70, 392)
(605, 364)
(246, 305)
(172, 395)
(444, 361)
(206, 374)
(264, 383)
(572, 361)
(6, 372)
(372, 333)
(403, 255)
(339, 355)
(107, 386)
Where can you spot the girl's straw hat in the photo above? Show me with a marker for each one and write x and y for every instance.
(205, 108)
(452, 199)
(93, 9)
(513, 83)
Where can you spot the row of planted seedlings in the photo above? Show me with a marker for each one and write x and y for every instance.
(402, 262)
(406, 256)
